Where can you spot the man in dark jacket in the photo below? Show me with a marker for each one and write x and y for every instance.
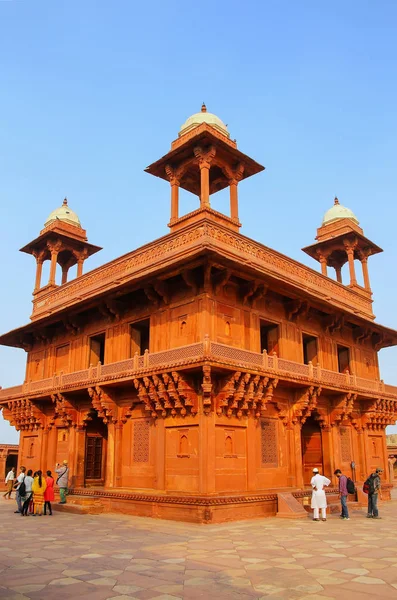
(374, 491)
(343, 493)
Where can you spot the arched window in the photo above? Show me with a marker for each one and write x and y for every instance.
(183, 445)
(228, 445)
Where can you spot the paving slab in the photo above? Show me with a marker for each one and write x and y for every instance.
(119, 557)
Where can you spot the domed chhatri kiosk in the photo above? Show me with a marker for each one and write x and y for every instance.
(203, 376)
(63, 241)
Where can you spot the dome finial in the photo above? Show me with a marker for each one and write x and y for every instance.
(203, 107)
(336, 201)
(65, 201)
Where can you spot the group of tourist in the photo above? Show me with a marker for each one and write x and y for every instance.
(34, 492)
(372, 487)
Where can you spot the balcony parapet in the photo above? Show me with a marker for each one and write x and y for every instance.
(196, 355)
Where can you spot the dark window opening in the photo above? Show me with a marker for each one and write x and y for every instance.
(310, 349)
(139, 337)
(97, 349)
(269, 337)
(343, 359)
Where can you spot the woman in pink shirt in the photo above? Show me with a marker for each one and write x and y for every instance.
(49, 493)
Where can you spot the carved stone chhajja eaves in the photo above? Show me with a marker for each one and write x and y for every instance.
(305, 403)
(63, 410)
(104, 404)
(241, 393)
(24, 415)
(167, 394)
(381, 413)
(342, 408)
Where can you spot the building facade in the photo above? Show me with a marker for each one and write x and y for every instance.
(201, 375)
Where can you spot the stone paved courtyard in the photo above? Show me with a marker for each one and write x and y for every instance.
(119, 557)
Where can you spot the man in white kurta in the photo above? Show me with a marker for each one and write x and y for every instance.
(319, 500)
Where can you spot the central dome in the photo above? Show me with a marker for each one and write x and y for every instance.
(204, 117)
(339, 212)
(63, 213)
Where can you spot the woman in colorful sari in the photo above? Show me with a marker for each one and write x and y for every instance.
(39, 487)
(49, 493)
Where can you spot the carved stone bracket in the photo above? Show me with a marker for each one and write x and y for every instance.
(207, 389)
(220, 280)
(167, 394)
(305, 404)
(334, 323)
(161, 288)
(381, 413)
(104, 404)
(190, 280)
(63, 410)
(296, 308)
(24, 415)
(241, 393)
(342, 408)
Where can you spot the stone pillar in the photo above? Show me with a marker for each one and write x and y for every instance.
(253, 437)
(159, 436)
(174, 200)
(65, 270)
(204, 185)
(39, 271)
(364, 264)
(80, 435)
(80, 262)
(295, 467)
(350, 258)
(233, 200)
(323, 263)
(110, 456)
(207, 453)
(205, 158)
(338, 271)
(54, 248)
(118, 447)
(328, 451)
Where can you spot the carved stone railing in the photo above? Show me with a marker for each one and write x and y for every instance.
(197, 237)
(199, 353)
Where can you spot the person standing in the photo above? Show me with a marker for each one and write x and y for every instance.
(374, 490)
(49, 493)
(39, 487)
(28, 493)
(343, 494)
(9, 482)
(319, 500)
(17, 485)
(62, 481)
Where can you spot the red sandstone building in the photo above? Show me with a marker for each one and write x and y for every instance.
(200, 375)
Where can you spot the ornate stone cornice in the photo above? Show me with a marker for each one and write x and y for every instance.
(203, 234)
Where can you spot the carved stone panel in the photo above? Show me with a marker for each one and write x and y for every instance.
(269, 452)
(345, 445)
(141, 441)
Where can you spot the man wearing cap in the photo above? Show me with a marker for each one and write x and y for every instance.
(374, 491)
(62, 481)
(319, 499)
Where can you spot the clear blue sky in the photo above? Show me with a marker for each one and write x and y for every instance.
(93, 91)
